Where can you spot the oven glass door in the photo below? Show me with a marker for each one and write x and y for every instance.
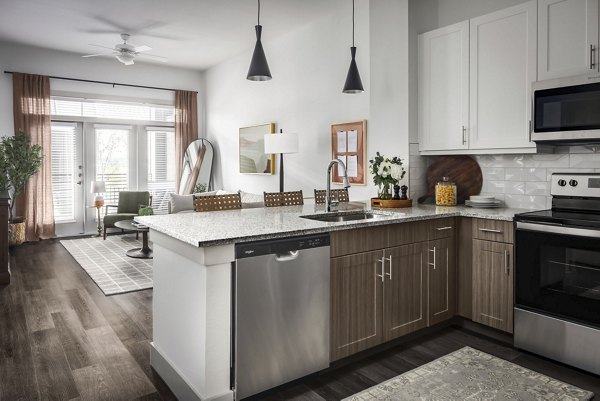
(558, 275)
(569, 108)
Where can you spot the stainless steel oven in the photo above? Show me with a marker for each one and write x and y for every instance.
(567, 110)
(557, 274)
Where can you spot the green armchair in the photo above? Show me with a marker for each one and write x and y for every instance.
(128, 207)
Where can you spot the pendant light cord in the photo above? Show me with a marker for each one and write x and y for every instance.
(352, 22)
(258, 12)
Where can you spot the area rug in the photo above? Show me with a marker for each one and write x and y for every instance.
(469, 374)
(106, 263)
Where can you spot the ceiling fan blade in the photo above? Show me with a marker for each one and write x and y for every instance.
(102, 46)
(96, 55)
(159, 58)
(143, 48)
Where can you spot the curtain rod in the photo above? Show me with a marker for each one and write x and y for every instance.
(107, 83)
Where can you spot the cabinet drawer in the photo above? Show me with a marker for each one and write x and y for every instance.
(407, 233)
(442, 228)
(493, 230)
(348, 242)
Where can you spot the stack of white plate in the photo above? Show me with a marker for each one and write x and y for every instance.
(483, 201)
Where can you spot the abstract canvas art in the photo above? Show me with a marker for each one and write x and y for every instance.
(253, 159)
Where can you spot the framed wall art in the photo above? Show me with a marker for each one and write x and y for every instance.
(253, 159)
(349, 144)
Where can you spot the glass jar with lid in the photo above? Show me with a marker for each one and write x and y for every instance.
(445, 192)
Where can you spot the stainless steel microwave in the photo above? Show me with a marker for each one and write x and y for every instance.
(567, 110)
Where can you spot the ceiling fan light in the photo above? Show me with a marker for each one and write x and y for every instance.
(259, 67)
(353, 82)
(126, 58)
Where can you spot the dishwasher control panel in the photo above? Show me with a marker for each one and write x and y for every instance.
(280, 245)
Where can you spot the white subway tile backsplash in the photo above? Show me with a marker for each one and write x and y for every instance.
(413, 149)
(522, 181)
(525, 174)
(543, 160)
(525, 201)
(514, 188)
(591, 160)
(493, 174)
(537, 188)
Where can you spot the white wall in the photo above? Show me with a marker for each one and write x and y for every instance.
(389, 95)
(305, 96)
(309, 68)
(36, 60)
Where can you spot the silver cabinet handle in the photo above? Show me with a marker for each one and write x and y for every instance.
(592, 57)
(489, 230)
(506, 261)
(464, 135)
(433, 264)
(444, 228)
(390, 266)
(382, 275)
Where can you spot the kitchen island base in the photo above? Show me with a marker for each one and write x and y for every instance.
(191, 345)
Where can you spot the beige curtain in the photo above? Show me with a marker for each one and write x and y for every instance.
(186, 126)
(31, 109)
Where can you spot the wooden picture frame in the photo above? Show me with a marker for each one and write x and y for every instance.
(251, 147)
(349, 143)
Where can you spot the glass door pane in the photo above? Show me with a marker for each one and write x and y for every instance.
(161, 167)
(112, 160)
(67, 178)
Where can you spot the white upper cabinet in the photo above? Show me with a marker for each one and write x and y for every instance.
(567, 37)
(503, 65)
(444, 88)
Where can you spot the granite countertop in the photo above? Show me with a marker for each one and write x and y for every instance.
(244, 225)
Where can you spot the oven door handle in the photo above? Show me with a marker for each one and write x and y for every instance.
(547, 228)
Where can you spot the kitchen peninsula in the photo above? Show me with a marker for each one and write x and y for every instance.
(194, 254)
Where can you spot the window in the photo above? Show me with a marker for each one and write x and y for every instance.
(106, 109)
(64, 170)
(161, 167)
(112, 160)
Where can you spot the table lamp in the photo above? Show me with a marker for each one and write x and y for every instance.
(283, 144)
(97, 188)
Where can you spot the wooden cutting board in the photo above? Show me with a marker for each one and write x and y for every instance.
(463, 170)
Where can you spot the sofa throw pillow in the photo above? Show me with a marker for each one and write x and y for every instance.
(180, 203)
(248, 197)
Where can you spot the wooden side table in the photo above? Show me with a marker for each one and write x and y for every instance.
(145, 252)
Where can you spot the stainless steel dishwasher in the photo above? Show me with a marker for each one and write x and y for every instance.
(281, 315)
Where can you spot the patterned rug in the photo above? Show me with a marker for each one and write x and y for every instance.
(106, 263)
(468, 374)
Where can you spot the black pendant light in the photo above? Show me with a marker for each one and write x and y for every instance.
(259, 68)
(353, 82)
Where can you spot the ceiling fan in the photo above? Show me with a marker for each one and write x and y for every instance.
(127, 52)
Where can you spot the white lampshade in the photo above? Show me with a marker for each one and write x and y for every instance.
(97, 186)
(281, 143)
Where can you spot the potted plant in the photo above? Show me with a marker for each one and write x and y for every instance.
(386, 173)
(20, 160)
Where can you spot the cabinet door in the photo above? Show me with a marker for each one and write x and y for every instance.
(442, 280)
(405, 300)
(444, 88)
(356, 303)
(502, 68)
(493, 284)
(567, 38)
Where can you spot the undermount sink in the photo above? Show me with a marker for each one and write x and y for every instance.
(341, 217)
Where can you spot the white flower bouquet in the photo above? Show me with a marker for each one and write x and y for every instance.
(386, 173)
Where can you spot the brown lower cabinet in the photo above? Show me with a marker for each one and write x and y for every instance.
(380, 295)
(493, 284)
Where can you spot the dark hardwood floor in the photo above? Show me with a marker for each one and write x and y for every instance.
(62, 339)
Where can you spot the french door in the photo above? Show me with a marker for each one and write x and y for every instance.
(68, 178)
(125, 157)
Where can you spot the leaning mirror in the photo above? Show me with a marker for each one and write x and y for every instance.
(196, 172)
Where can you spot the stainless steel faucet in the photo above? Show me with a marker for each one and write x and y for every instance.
(329, 202)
